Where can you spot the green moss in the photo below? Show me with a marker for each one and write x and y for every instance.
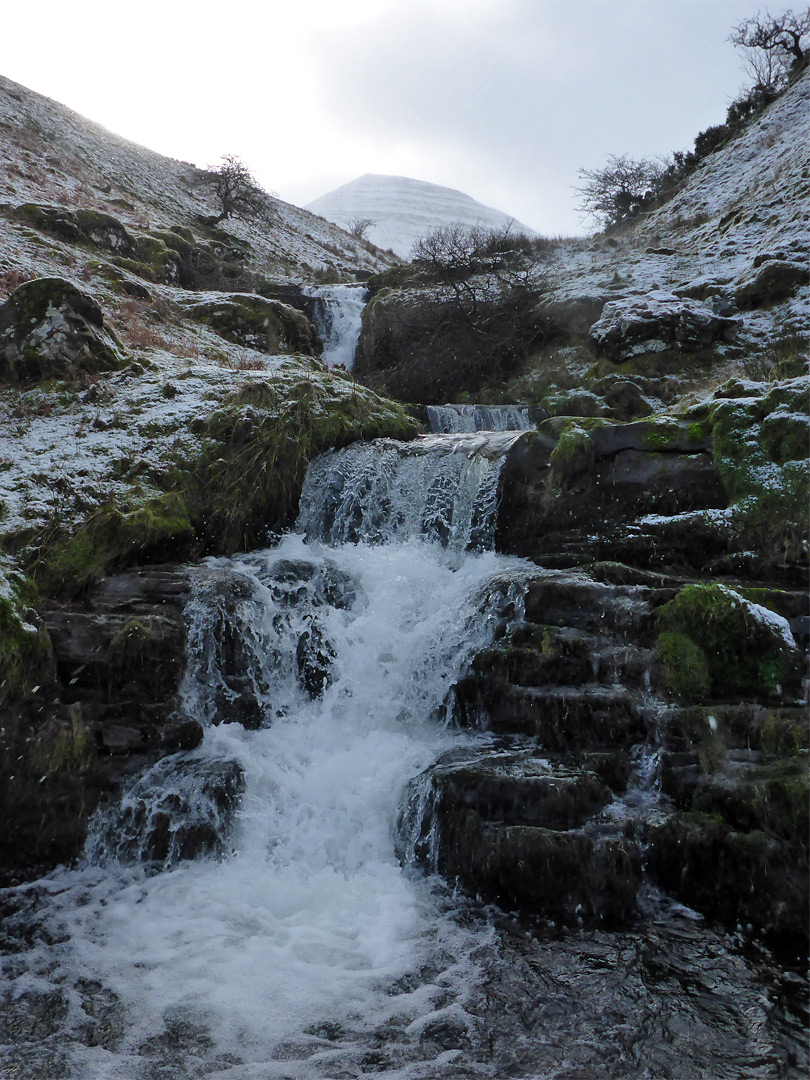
(572, 456)
(67, 749)
(248, 479)
(662, 432)
(115, 536)
(754, 452)
(745, 654)
(26, 657)
(684, 667)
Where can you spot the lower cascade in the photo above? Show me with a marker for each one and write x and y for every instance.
(268, 905)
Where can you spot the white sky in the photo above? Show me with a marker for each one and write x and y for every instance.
(503, 99)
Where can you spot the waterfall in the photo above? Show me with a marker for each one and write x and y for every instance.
(242, 912)
(338, 311)
(248, 893)
(440, 488)
(447, 419)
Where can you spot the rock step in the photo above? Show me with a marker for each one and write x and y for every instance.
(521, 830)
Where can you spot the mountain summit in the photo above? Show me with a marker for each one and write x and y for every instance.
(403, 209)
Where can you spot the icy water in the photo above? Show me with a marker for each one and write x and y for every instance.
(299, 947)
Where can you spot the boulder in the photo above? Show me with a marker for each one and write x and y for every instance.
(181, 808)
(49, 328)
(79, 226)
(256, 322)
(658, 322)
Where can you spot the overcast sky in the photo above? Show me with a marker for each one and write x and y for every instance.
(502, 99)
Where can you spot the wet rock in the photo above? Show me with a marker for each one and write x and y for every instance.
(738, 877)
(658, 322)
(513, 828)
(119, 653)
(51, 329)
(182, 808)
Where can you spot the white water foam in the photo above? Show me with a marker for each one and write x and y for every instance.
(312, 918)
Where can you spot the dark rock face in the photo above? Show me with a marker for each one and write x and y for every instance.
(771, 281)
(51, 329)
(584, 680)
(657, 322)
(119, 657)
(514, 828)
(578, 488)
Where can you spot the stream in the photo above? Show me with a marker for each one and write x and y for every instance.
(242, 911)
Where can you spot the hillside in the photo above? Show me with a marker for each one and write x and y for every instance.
(736, 238)
(403, 209)
(51, 154)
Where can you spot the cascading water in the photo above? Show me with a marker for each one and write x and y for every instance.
(338, 312)
(242, 913)
(449, 419)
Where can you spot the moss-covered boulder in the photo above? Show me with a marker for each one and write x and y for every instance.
(49, 328)
(714, 641)
(256, 322)
(79, 226)
(26, 657)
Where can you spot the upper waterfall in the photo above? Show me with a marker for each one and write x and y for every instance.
(338, 312)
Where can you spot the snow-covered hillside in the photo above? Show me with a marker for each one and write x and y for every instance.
(403, 209)
(48, 153)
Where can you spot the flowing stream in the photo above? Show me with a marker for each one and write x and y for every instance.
(295, 944)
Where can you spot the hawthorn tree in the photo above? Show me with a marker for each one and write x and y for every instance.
(235, 190)
(773, 45)
(358, 227)
(619, 191)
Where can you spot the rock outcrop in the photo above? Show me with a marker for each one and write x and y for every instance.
(50, 329)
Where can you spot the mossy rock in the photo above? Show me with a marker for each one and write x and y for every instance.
(573, 456)
(153, 260)
(115, 536)
(684, 667)
(712, 633)
(79, 226)
(49, 328)
(26, 657)
(256, 322)
(760, 446)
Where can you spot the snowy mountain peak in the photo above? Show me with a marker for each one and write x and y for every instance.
(404, 209)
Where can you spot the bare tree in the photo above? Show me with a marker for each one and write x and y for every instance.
(773, 45)
(358, 227)
(234, 188)
(620, 190)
